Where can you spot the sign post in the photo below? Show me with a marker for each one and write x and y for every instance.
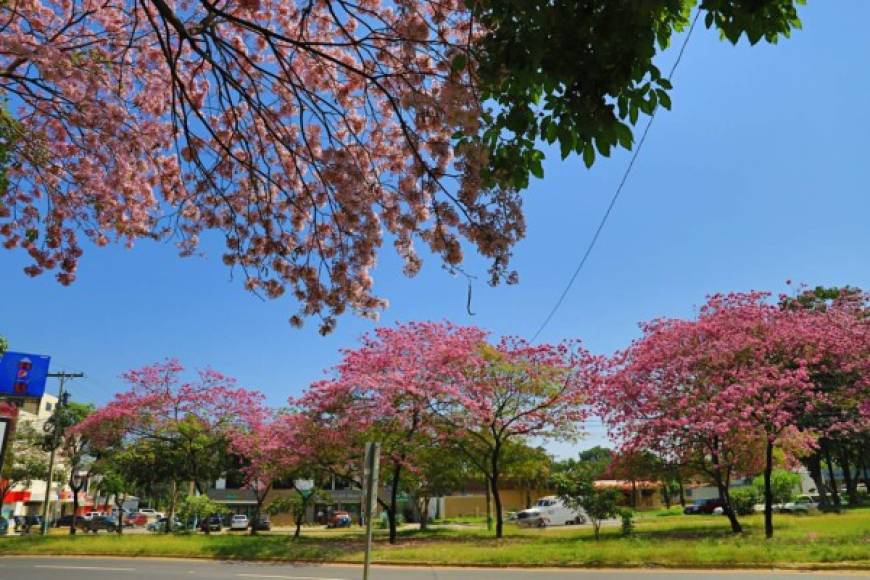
(370, 479)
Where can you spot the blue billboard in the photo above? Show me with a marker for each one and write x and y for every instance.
(23, 375)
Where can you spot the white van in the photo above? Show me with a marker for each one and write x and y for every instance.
(550, 511)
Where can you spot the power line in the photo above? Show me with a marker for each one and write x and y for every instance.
(618, 189)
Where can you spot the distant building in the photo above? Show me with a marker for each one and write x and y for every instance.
(21, 500)
(337, 496)
(28, 500)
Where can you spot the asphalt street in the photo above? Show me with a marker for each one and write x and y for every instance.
(58, 568)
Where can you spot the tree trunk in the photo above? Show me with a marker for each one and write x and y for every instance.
(394, 503)
(488, 506)
(832, 481)
(768, 492)
(722, 484)
(666, 494)
(171, 511)
(257, 509)
(729, 511)
(813, 464)
(682, 493)
(634, 494)
(424, 513)
(864, 470)
(851, 483)
(298, 531)
(496, 496)
(72, 525)
(120, 513)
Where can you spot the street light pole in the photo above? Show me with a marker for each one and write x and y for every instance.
(54, 443)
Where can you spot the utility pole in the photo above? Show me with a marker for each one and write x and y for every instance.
(370, 480)
(55, 436)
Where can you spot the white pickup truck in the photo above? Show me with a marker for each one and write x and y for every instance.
(550, 511)
(151, 513)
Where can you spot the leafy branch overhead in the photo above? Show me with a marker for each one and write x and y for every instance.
(580, 74)
(308, 134)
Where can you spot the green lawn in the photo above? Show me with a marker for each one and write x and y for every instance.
(817, 541)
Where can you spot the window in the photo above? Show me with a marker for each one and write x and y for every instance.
(48, 406)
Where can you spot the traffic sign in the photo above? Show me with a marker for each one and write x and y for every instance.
(23, 375)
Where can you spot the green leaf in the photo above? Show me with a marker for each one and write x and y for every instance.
(623, 134)
(603, 147)
(589, 155)
(565, 146)
(664, 99)
(536, 168)
(458, 63)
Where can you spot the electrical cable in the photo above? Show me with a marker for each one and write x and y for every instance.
(618, 191)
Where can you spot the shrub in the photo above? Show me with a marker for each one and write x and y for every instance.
(743, 499)
(782, 485)
(383, 522)
(627, 522)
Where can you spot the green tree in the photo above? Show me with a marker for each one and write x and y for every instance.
(198, 507)
(743, 499)
(577, 489)
(528, 468)
(575, 484)
(75, 448)
(296, 504)
(782, 483)
(582, 73)
(111, 483)
(25, 459)
(594, 460)
(440, 471)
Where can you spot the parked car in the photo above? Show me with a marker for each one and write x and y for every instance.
(25, 524)
(96, 524)
(67, 520)
(211, 524)
(549, 511)
(802, 504)
(703, 506)
(4, 526)
(92, 515)
(239, 522)
(159, 525)
(338, 519)
(151, 514)
(262, 524)
(135, 519)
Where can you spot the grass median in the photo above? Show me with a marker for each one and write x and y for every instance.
(809, 541)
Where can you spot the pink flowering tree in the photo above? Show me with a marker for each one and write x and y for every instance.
(383, 391)
(839, 319)
(510, 392)
(723, 390)
(303, 132)
(660, 397)
(183, 424)
(260, 440)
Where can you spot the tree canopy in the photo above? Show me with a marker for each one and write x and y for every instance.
(308, 134)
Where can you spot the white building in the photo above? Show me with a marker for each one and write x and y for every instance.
(28, 500)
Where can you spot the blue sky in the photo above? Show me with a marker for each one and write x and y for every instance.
(758, 175)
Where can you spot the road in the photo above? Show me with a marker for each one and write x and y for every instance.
(67, 568)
